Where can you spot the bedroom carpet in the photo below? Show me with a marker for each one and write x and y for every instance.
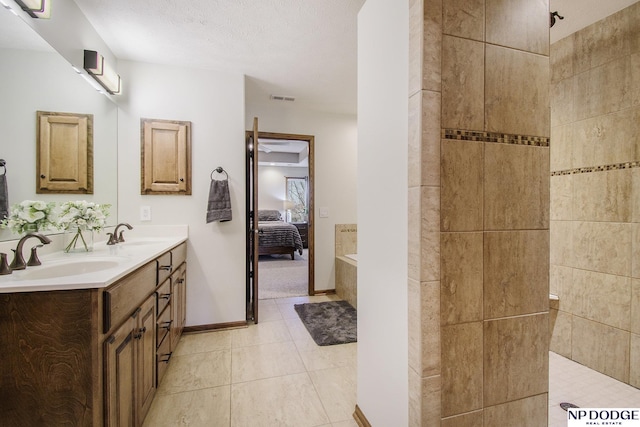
(280, 277)
(329, 323)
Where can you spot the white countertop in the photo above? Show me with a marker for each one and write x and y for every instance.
(110, 262)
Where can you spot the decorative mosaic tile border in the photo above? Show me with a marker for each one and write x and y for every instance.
(617, 166)
(500, 138)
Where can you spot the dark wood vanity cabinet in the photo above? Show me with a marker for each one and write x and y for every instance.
(130, 375)
(90, 357)
(51, 358)
(171, 313)
(179, 308)
(151, 337)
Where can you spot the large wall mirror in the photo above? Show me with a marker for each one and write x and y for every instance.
(34, 77)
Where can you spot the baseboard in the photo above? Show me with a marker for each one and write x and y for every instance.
(215, 326)
(360, 418)
(324, 292)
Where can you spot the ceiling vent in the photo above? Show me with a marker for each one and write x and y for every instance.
(282, 98)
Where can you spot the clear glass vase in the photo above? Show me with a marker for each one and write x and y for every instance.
(77, 238)
(30, 228)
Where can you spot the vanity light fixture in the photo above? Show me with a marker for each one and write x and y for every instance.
(39, 9)
(95, 65)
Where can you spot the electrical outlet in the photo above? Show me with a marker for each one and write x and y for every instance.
(324, 212)
(145, 213)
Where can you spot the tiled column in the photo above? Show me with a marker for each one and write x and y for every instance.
(424, 212)
(479, 212)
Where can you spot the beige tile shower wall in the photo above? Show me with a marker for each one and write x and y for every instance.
(478, 244)
(595, 195)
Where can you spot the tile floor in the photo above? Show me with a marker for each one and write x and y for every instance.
(270, 374)
(273, 374)
(574, 383)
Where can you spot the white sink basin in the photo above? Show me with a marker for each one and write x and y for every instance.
(68, 268)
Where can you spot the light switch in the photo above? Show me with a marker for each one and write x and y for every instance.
(324, 212)
(145, 213)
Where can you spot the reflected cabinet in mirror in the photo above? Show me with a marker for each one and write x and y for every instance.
(33, 77)
(64, 153)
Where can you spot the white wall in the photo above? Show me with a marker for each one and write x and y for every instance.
(214, 103)
(335, 149)
(382, 212)
(272, 183)
(23, 91)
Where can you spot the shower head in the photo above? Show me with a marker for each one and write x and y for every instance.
(553, 18)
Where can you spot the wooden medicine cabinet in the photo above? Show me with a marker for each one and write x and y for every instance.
(64, 154)
(166, 157)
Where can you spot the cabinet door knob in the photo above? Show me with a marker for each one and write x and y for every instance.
(43, 176)
(140, 332)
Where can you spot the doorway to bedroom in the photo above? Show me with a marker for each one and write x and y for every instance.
(285, 215)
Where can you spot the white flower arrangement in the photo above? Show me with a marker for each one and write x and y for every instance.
(78, 217)
(30, 216)
(35, 216)
(83, 214)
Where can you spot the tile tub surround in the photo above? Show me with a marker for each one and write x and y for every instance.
(347, 279)
(346, 239)
(346, 268)
(479, 138)
(595, 195)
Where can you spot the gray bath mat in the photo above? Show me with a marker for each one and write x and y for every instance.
(329, 323)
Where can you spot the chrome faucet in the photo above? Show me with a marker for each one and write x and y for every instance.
(115, 237)
(18, 262)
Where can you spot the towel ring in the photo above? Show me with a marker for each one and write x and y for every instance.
(219, 170)
(3, 165)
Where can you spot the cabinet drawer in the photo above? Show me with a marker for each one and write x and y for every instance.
(164, 266)
(164, 295)
(121, 299)
(163, 355)
(179, 255)
(164, 325)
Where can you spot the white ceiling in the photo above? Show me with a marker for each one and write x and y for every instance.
(283, 152)
(300, 48)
